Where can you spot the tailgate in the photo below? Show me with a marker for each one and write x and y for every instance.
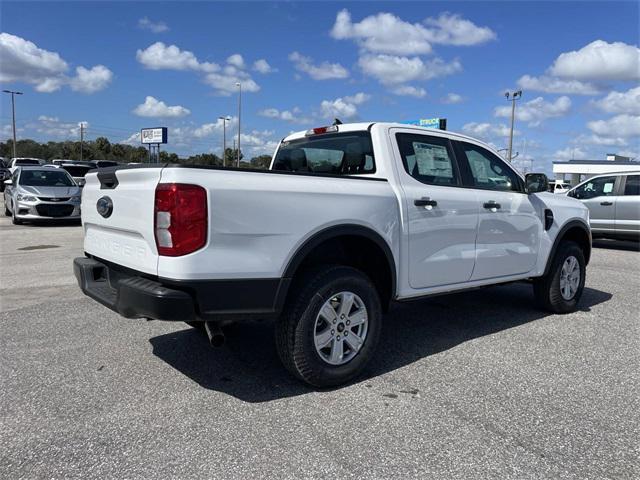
(126, 236)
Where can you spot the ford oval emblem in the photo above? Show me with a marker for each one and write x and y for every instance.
(105, 206)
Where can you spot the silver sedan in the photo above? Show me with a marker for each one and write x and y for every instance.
(41, 193)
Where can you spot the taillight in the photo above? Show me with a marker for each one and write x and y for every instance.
(181, 220)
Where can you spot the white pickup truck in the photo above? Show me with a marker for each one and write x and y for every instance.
(347, 219)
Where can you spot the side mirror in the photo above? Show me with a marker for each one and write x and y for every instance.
(536, 182)
(8, 182)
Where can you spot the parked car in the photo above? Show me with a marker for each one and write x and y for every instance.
(559, 187)
(5, 174)
(613, 200)
(77, 170)
(105, 163)
(24, 161)
(39, 193)
(348, 219)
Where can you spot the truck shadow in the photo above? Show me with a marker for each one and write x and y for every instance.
(248, 368)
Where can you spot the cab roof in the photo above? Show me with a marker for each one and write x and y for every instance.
(361, 126)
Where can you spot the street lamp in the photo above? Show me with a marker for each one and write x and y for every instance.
(239, 85)
(13, 110)
(513, 97)
(224, 140)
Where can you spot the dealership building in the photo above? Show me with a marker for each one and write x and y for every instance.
(575, 171)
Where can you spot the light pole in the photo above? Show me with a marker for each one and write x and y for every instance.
(224, 140)
(239, 85)
(13, 111)
(513, 97)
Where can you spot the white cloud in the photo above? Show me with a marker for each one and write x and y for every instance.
(570, 153)
(225, 83)
(594, 139)
(323, 71)
(623, 125)
(155, 108)
(453, 98)
(387, 33)
(536, 110)
(159, 56)
(223, 79)
(236, 60)
(292, 116)
(210, 129)
(410, 91)
(91, 80)
(24, 61)
(53, 127)
(257, 142)
(262, 66)
(600, 61)
(621, 102)
(156, 27)
(487, 131)
(390, 69)
(133, 140)
(549, 84)
(343, 107)
(449, 29)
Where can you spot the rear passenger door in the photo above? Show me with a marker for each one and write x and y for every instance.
(509, 227)
(628, 207)
(441, 217)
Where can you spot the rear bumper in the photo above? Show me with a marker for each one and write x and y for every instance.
(136, 295)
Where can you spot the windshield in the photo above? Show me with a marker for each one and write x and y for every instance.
(27, 162)
(46, 178)
(339, 153)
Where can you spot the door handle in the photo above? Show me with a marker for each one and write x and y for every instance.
(606, 204)
(493, 206)
(425, 202)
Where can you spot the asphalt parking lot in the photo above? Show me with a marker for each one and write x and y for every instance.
(473, 385)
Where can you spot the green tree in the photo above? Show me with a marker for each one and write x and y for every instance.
(231, 156)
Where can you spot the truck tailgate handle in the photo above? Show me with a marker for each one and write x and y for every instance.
(425, 202)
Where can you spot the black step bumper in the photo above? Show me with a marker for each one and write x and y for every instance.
(132, 296)
(136, 295)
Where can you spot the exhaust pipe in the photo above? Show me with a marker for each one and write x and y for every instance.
(214, 333)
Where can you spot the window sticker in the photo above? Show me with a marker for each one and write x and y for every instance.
(608, 188)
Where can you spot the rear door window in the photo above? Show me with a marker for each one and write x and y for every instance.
(632, 186)
(428, 159)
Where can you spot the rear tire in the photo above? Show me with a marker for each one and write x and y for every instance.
(559, 291)
(330, 326)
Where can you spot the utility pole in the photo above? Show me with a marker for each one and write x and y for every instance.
(239, 85)
(81, 138)
(513, 97)
(13, 111)
(224, 140)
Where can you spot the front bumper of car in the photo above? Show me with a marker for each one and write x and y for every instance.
(37, 208)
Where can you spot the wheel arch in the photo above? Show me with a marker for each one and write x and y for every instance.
(339, 242)
(576, 231)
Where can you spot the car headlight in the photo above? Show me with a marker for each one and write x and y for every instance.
(26, 198)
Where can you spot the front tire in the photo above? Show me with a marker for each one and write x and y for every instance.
(559, 291)
(14, 219)
(330, 326)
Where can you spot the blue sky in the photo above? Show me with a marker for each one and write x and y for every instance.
(121, 66)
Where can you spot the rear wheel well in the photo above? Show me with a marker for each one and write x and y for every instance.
(357, 251)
